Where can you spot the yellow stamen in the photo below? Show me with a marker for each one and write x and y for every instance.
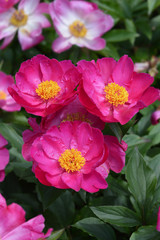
(19, 18)
(77, 117)
(48, 89)
(71, 160)
(3, 95)
(115, 94)
(78, 29)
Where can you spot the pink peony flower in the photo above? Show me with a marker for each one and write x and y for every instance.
(13, 225)
(6, 4)
(80, 23)
(67, 157)
(4, 157)
(28, 20)
(45, 85)
(7, 103)
(74, 111)
(155, 117)
(113, 91)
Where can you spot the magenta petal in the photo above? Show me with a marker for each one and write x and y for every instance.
(11, 217)
(140, 82)
(41, 176)
(73, 180)
(106, 67)
(4, 158)
(125, 113)
(116, 157)
(123, 71)
(56, 181)
(93, 182)
(150, 96)
(3, 141)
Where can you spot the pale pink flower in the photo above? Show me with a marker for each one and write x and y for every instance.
(80, 23)
(142, 66)
(45, 85)
(6, 4)
(28, 20)
(7, 103)
(4, 157)
(113, 91)
(67, 157)
(13, 225)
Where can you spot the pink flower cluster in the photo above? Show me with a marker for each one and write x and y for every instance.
(77, 22)
(68, 149)
(14, 226)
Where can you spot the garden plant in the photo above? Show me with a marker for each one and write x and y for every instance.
(79, 119)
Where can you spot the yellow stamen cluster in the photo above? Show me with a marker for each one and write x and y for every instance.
(19, 18)
(78, 29)
(71, 160)
(115, 94)
(3, 95)
(77, 117)
(48, 89)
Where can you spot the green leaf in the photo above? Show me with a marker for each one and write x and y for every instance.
(134, 140)
(61, 212)
(119, 35)
(96, 228)
(116, 130)
(47, 195)
(56, 234)
(146, 233)
(152, 4)
(155, 22)
(141, 180)
(117, 215)
(11, 135)
(130, 26)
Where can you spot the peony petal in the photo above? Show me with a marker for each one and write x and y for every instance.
(61, 44)
(72, 180)
(93, 182)
(27, 41)
(106, 67)
(140, 82)
(150, 96)
(29, 6)
(123, 71)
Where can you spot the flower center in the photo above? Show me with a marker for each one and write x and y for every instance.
(78, 29)
(71, 160)
(3, 95)
(115, 94)
(48, 89)
(19, 18)
(76, 117)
